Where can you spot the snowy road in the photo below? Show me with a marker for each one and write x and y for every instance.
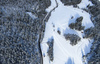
(64, 52)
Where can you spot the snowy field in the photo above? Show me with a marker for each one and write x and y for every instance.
(64, 52)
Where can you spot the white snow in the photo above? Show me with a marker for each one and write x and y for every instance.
(64, 53)
(85, 3)
(32, 15)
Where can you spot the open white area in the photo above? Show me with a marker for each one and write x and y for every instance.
(32, 15)
(64, 52)
(85, 3)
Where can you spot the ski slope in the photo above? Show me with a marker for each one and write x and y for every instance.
(64, 52)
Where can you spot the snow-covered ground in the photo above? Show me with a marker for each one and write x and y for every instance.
(64, 52)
